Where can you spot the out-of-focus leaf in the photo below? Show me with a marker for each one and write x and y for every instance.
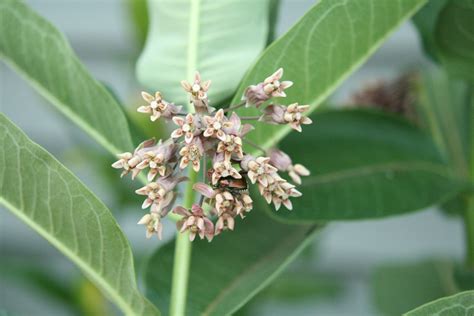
(138, 11)
(464, 278)
(218, 38)
(397, 289)
(365, 164)
(36, 276)
(273, 14)
(447, 108)
(454, 36)
(425, 21)
(295, 287)
(91, 301)
(461, 304)
(45, 195)
(321, 50)
(41, 54)
(231, 269)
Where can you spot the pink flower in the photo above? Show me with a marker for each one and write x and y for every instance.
(279, 193)
(191, 153)
(187, 126)
(153, 225)
(224, 169)
(283, 163)
(198, 92)
(291, 115)
(159, 194)
(215, 125)
(224, 222)
(156, 105)
(194, 221)
(260, 170)
(270, 87)
(158, 158)
(129, 162)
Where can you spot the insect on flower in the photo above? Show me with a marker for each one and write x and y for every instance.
(217, 136)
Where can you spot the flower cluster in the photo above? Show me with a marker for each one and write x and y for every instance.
(212, 141)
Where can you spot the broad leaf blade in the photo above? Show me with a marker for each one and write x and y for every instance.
(220, 39)
(459, 304)
(231, 269)
(365, 164)
(425, 21)
(454, 36)
(322, 49)
(51, 200)
(41, 54)
(446, 106)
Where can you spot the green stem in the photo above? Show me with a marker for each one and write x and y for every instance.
(469, 228)
(182, 258)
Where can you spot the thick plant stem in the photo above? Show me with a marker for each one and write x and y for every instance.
(182, 258)
(469, 228)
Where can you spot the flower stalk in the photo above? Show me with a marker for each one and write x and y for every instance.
(182, 258)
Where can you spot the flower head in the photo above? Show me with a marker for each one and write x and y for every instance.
(214, 136)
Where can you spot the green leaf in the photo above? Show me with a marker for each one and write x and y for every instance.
(425, 21)
(41, 54)
(398, 288)
(51, 200)
(218, 38)
(455, 305)
(231, 269)
(454, 36)
(365, 164)
(446, 108)
(331, 41)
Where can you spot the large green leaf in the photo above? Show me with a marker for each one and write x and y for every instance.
(51, 200)
(446, 108)
(331, 40)
(454, 36)
(231, 269)
(218, 38)
(425, 21)
(455, 305)
(365, 164)
(41, 54)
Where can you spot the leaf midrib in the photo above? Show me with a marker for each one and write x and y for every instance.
(193, 36)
